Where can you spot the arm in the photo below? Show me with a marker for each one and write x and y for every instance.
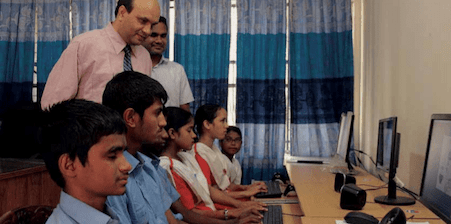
(249, 215)
(186, 95)
(240, 191)
(171, 218)
(185, 107)
(62, 83)
(193, 217)
(220, 197)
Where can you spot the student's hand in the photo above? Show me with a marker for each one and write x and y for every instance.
(253, 190)
(248, 215)
(250, 218)
(260, 206)
(259, 183)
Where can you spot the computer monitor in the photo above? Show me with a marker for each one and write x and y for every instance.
(344, 142)
(435, 192)
(388, 143)
(341, 143)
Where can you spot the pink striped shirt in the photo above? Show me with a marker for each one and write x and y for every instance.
(88, 63)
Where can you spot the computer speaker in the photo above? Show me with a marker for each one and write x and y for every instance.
(352, 197)
(341, 179)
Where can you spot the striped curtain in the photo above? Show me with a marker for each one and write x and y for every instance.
(202, 42)
(17, 24)
(321, 74)
(260, 94)
(91, 14)
(53, 36)
(164, 11)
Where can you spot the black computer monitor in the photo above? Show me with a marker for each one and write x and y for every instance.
(388, 143)
(350, 125)
(344, 141)
(435, 190)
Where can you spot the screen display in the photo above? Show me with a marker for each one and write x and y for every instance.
(342, 144)
(436, 187)
(385, 143)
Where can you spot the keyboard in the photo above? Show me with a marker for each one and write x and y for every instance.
(273, 215)
(273, 190)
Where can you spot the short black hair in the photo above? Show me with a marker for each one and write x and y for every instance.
(235, 129)
(163, 20)
(127, 3)
(134, 90)
(72, 127)
(205, 112)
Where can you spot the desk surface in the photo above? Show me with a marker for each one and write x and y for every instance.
(314, 186)
(326, 220)
(10, 165)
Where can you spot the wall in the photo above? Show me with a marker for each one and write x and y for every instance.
(402, 68)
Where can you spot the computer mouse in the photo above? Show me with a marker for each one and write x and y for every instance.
(360, 218)
(289, 191)
(394, 216)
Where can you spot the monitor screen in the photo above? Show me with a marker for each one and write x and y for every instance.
(341, 144)
(436, 185)
(385, 142)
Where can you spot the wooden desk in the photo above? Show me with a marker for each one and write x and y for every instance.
(314, 185)
(326, 220)
(25, 182)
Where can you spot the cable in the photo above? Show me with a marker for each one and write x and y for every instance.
(412, 194)
(359, 151)
(374, 187)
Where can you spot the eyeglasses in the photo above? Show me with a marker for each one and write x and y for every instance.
(230, 140)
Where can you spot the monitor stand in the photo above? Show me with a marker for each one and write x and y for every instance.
(391, 198)
(394, 201)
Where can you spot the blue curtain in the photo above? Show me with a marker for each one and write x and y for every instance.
(202, 42)
(53, 36)
(321, 74)
(17, 24)
(164, 11)
(261, 97)
(91, 14)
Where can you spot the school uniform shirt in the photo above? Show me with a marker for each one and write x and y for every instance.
(72, 210)
(215, 159)
(88, 63)
(149, 193)
(192, 193)
(234, 171)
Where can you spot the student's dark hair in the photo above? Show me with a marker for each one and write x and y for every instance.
(128, 4)
(72, 127)
(235, 129)
(176, 117)
(134, 90)
(206, 112)
(163, 20)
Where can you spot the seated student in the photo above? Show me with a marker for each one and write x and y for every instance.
(196, 193)
(230, 146)
(84, 144)
(150, 196)
(211, 124)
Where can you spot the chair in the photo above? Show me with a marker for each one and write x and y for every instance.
(35, 214)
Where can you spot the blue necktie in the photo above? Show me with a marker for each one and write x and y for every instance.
(127, 58)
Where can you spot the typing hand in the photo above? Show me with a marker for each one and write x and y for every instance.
(250, 216)
(260, 206)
